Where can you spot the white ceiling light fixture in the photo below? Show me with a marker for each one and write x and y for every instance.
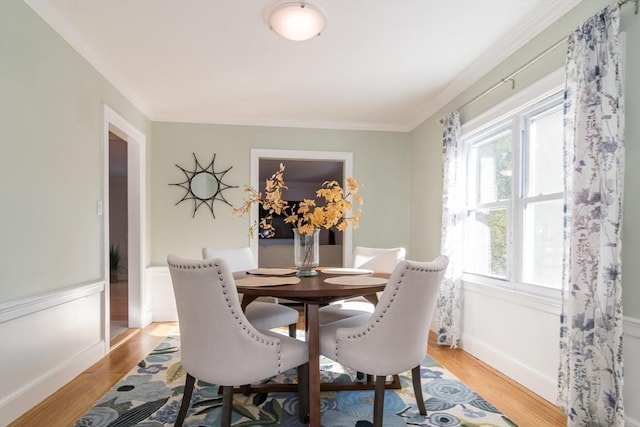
(297, 20)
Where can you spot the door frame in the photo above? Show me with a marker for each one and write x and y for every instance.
(139, 301)
(335, 156)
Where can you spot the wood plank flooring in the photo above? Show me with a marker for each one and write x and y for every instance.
(69, 403)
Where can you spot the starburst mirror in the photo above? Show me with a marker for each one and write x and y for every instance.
(203, 185)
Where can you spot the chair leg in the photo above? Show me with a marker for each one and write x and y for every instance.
(417, 389)
(292, 330)
(227, 405)
(246, 389)
(186, 400)
(303, 392)
(378, 400)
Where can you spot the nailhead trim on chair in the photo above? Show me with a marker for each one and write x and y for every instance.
(378, 318)
(384, 311)
(225, 292)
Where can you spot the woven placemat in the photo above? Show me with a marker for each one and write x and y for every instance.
(267, 281)
(356, 280)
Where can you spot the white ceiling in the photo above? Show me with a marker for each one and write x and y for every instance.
(379, 64)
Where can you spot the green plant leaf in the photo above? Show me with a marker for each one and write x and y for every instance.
(217, 401)
(175, 372)
(259, 399)
(242, 410)
(119, 407)
(139, 413)
(508, 421)
(274, 408)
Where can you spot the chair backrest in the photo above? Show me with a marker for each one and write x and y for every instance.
(379, 259)
(239, 259)
(215, 336)
(398, 329)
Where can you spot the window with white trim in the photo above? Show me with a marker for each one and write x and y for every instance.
(513, 229)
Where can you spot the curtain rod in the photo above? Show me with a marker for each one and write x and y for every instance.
(510, 77)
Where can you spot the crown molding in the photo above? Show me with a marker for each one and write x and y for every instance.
(538, 23)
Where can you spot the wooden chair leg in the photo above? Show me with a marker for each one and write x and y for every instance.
(303, 392)
(292, 330)
(227, 405)
(246, 389)
(186, 400)
(378, 400)
(417, 389)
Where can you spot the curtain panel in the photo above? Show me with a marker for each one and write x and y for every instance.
(448, 304)
(591, 368)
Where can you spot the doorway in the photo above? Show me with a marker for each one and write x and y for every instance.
(118, 237)
(304, 173)
(138, 300)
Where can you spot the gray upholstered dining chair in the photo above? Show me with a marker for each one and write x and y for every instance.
(264, 314)
(381, 260)
(373, 344)
(217, 342)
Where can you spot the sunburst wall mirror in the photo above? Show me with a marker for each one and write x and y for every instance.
(203, 185)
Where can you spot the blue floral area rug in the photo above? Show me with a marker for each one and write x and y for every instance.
(150, 396)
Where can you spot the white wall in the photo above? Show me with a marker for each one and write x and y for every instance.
(46, 341)
(518, 335)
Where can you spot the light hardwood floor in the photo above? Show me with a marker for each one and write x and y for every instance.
(69, 403)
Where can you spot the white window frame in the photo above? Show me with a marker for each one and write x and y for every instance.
(548, 89)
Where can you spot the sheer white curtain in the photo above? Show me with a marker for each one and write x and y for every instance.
(590, 375)
(448, 305)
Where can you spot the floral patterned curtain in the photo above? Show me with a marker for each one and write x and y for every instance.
(590, 375)
(448, 304)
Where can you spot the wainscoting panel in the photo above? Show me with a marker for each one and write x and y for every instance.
(163, 303)
(517, 334)
(47, 341)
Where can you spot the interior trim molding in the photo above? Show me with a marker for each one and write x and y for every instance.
(26, 306)
(553, 11)
(346, 157)
(632, 327)
(535, 302)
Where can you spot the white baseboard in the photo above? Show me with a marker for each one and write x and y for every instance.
(38, 389)
(526, 375)
(546, 387)
(47, 341)
(165, 315)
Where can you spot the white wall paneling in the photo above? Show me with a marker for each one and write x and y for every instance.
(518, 334)
(163, 303)
(36, 358)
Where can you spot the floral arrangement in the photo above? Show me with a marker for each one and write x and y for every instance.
(329, 210)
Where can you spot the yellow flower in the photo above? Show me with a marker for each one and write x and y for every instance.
(309, 214)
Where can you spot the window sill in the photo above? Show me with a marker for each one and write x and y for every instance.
(549, 302)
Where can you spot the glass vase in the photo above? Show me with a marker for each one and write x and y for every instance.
(306, 252)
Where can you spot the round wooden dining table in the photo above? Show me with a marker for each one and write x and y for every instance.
(313, 292)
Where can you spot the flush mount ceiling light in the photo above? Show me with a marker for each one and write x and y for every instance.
(296, 20)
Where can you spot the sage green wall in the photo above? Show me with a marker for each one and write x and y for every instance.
(426, 139)
(51, 159)
(380, 162)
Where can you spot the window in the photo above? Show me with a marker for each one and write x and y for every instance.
(513, 230)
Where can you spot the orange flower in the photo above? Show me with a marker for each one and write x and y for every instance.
(330, 211)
